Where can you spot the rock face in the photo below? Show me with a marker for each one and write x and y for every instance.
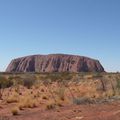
(54, 63)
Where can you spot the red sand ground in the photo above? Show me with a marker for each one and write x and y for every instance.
(106, 111)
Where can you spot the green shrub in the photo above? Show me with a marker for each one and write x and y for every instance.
(118, 84)
(82, 100)
(5, 83)
(28, 81)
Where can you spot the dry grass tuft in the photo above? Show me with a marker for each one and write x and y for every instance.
(13, 98)
(15, 111)
(27, 102)
(45, 97)
(50, 106)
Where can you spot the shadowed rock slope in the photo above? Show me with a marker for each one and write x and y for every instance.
(54, 63)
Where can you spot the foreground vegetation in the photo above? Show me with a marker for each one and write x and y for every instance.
(51, 90)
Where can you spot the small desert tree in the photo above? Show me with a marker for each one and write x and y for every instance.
(28, 81)
(4, 83)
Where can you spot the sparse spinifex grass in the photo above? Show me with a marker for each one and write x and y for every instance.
(51, 90)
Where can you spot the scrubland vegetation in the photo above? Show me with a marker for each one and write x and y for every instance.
(52, 90)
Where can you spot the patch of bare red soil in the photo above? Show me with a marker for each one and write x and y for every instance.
(106, 111)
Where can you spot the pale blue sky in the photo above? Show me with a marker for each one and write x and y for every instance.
(83, 27)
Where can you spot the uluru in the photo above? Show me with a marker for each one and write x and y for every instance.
(54, 63)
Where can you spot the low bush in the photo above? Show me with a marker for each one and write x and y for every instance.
(118, 84)
(82, 100)
(5, 83)
(28, 82)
